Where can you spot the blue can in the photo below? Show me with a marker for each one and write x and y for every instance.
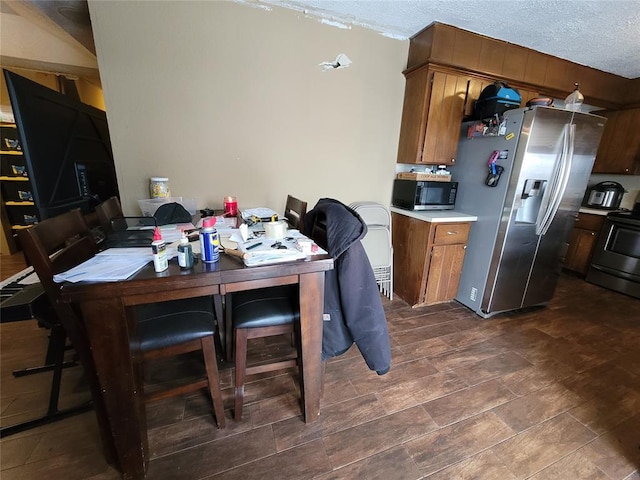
(209, 243)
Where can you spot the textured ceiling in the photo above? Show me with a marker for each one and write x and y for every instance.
(603, 34)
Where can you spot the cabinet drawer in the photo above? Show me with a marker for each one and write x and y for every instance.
(589, 221)
(451, 233)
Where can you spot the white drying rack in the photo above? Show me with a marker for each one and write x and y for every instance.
(377, 243)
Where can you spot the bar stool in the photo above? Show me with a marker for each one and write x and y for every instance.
(261, 313)
(163, 329)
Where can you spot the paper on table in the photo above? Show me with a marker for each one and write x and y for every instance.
(172, 251)
(172, 232)
(108, 266)
(260, 212)
(261, 251)
(222, 222)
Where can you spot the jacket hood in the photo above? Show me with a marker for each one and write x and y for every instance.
(343, 225)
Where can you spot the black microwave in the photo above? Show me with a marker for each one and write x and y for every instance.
(424, 195)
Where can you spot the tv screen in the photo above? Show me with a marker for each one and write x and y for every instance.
(66, 148)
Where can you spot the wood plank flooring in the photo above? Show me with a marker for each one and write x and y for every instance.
(550, 393)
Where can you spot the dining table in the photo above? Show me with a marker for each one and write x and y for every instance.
(108, 322)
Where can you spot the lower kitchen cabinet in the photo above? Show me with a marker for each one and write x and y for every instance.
(583, 240)
(427, 259)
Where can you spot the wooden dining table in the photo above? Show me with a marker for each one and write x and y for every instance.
(108, 323)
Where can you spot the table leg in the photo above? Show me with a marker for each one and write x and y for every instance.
(311, 308)
(112, 337)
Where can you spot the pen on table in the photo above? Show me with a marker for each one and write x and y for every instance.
(254, 245)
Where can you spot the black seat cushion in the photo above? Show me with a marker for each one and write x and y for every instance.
(265, 307)
(170, 323)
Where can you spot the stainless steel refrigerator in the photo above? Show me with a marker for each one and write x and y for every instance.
(526, 203)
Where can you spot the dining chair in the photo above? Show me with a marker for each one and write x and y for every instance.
(108, 210)
(53, 246)
(262, 313)
(294, 211)
(163, 329)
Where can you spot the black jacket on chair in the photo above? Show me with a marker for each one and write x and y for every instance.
(353, 309)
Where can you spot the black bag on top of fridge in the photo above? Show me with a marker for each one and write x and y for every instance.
(495, 99)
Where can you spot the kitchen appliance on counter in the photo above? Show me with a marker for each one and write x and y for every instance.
(616, 259)
(604, 195)
(525, 185)
(424, 195)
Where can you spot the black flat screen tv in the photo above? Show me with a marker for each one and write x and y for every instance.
(66, 147)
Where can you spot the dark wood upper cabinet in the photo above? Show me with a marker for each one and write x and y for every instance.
(447, 69)
(522, 67)
(434, 106)
(619, 150)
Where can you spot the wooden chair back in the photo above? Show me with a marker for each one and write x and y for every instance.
(294, 211)
(56, 245)
(107, 210)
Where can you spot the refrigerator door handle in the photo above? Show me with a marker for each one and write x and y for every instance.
(560, 182)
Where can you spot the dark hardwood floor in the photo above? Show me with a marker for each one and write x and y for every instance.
(551, 393)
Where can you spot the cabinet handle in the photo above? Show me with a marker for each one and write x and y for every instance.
(451, 233)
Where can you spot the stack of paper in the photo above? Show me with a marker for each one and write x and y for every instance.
(263, 251)
(111, 265)
(262, 213)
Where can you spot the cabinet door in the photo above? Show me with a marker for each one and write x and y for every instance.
(410, 242)
(414, 116)
(432, 112)
(583, 240)
(619, 150)
(444, 273)
(580, 250)
(446, 108)
(476, 86)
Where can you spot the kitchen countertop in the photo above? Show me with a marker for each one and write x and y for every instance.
(596, 211)
(436, 216)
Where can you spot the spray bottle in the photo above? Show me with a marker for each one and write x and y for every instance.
(209, 241)
(185, 252)
(159, 249)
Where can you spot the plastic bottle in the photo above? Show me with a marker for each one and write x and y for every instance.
(185, 252)
(574, 100)
(159, 187)
(159, 249)
(209, 241)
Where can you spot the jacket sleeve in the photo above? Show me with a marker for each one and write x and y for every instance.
(362, 308)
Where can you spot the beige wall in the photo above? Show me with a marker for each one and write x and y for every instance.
(228, 99)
